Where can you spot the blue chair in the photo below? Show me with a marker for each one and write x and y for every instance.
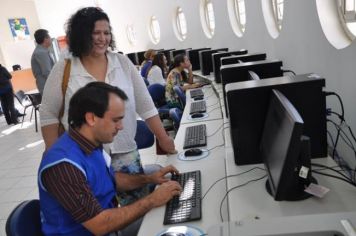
(25, 220)
(157, 92)
(176, 115)
(144, 137)
(181, 95)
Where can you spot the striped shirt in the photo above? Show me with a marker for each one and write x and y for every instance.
(68, 184)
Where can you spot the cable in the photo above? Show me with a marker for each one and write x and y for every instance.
(213, 109)
(329, 168)
(290, 71)
(228, 176)
(216, 146)
(213, 104)
(238, 186)
(334, 176)
(341, 103)
(215, 131)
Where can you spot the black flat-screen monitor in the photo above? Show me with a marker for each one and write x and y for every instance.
(174, 53)
(285, 151)
(205, 59)
(133, 57)
(252, 75)
(248, 101)
(217, 62)
(239, 72)
(193, 55)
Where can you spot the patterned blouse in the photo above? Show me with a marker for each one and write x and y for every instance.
(174, 78)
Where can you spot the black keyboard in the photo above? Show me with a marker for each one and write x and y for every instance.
(196, 93)
(195, 136)
(197, 107)
(186, 206)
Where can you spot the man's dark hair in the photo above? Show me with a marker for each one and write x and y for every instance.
(80, 27)
(94, 97)
(40, 35)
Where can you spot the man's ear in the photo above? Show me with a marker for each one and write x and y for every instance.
(90, 118)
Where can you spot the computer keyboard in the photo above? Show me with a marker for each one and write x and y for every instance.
(197, 107)
(186, 206)
(195, 136)
(196, 93)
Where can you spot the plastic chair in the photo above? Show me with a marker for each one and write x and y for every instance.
(176, 115)
(181, 95)
(157, 92)
(144, 137)
(24, 101)
(25, 220)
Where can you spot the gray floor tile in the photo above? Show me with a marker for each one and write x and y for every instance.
(2, 227)
(7, 183)
(6, 209)
(15, 194)
(27, 181)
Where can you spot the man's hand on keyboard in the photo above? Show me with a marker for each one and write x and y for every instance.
(164, 193)
(159, 176)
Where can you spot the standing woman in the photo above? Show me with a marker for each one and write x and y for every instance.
(178, 76)
(89, 35)
(158, 71)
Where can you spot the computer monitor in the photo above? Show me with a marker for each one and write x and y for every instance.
(217, 62)
(140, 57)
(252, 75)
(205, 59)
(285, 151)
(193, 55)
(248, 101)
(239, 72)
(244, 58)
(133, 57)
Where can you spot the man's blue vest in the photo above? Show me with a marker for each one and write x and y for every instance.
(55, 219)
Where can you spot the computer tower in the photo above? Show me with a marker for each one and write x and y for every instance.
(239, 72)
(193, 55)
(217, 62)
(248, 103)
(205, 59)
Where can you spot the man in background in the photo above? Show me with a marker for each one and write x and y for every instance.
(41, 60)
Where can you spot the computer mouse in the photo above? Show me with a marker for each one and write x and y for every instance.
(197, 115)
(173, 234)
(193, 152)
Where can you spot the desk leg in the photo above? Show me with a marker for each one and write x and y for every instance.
(36, 120)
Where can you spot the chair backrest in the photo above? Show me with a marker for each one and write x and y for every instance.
(176, 115)
(180, 94)
(157, 92)
(25, 220)
(144, 137)
(36, 99)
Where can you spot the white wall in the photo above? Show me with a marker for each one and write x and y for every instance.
(301, 44)
(19, 52)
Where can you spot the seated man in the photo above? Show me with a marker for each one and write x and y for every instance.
(77, 186)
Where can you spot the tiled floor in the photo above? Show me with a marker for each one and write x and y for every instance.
(21, 150)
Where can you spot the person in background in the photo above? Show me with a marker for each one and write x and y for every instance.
(7, 97)
(178, 76)
(89, 37)
(158, 71)
(41, 60)
(77, 185)
(147, 63)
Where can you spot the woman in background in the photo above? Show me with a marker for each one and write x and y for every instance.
(178, 76)
(158, 71)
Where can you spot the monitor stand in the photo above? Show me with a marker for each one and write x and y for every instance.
(296, 189)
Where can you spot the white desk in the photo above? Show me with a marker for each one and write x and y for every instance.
(252, 200)
(213, 109)
(212, 168)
